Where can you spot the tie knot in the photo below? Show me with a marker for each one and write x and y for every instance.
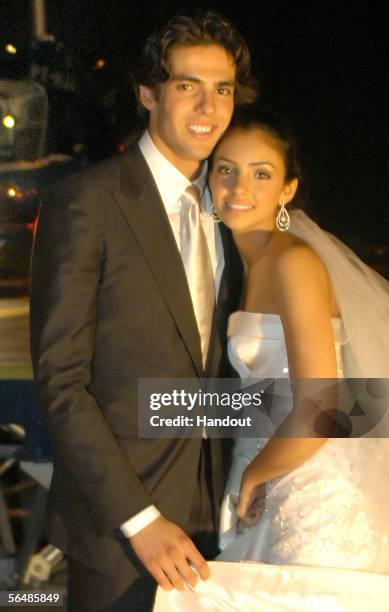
(193, 191)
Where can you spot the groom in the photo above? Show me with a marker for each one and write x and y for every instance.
(115, 297)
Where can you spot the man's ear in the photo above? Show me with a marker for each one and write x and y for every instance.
(147, 97)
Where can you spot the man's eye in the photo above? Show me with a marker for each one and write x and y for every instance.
(184, 86)
(224, 91)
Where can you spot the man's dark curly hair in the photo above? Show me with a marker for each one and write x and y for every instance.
(204, 28)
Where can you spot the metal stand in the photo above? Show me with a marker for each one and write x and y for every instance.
(35, 569)
(29, 568)
(7, 542)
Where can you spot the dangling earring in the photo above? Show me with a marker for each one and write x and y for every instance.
(213, 214)
(283, 218)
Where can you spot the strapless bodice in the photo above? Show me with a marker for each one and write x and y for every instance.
(256, 345)
(257, 350)
(327, 511)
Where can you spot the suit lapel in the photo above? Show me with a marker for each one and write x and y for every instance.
(142, 207)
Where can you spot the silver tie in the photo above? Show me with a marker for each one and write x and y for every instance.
(198, 267)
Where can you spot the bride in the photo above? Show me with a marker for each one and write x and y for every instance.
(310, 311)
(305, 501)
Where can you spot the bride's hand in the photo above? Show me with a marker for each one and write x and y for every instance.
(250, 503)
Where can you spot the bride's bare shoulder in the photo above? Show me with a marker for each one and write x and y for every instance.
(297, 262)
(293, 252)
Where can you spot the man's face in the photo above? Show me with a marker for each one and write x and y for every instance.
(190, 111)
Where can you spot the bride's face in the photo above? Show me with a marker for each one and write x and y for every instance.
(247, 180)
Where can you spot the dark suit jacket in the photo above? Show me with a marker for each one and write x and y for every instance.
(110, 304)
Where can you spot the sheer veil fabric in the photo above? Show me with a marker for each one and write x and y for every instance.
(362, 296)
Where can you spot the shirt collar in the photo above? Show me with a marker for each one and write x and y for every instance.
(171, 182)
(201, 179)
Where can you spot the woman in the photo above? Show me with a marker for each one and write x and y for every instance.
(307, 511)
(313, 501)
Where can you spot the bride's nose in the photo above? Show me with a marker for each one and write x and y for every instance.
(242, 184)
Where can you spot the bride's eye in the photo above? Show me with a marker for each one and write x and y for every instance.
(262, 174)
(224, 170)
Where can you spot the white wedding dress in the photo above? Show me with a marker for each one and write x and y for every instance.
(322, 541)
(332, 511)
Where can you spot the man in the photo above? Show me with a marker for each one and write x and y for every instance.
(115, 298)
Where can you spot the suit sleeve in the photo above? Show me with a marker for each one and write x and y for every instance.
(65, 279)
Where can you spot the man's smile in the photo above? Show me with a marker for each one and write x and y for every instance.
(201, 130)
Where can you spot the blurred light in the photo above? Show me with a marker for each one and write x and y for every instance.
(11, 49)
(11, 192)
(379, 251)
(121, 147)
(100, 64)
(31, 226)
(14, 192)
(8, 121)
(78, 148)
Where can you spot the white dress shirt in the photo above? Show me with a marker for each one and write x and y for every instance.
(172, 184)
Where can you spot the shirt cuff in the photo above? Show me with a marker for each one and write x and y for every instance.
(140, 521)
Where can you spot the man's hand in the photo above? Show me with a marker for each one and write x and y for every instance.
(165, 551)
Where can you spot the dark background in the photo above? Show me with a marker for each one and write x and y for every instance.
(320, 62)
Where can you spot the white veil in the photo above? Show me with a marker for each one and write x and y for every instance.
(362, 296)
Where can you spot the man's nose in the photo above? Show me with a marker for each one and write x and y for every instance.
(206, 102)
